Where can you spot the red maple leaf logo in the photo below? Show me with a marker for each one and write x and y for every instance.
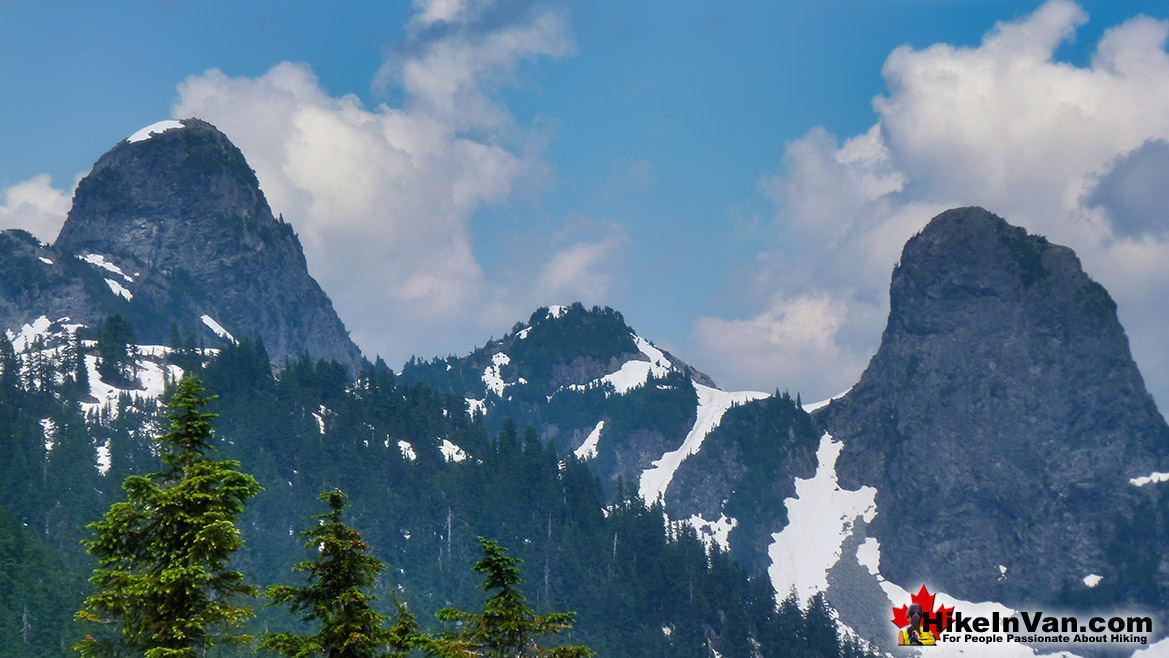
(926, 601)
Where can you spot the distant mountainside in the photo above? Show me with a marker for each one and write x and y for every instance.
(585, 381)
(171, 228)
(1000, 446)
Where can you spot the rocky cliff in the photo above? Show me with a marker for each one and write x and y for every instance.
(1005, 426)
(175, 223)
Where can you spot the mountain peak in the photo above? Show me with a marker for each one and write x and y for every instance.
(1003, 397)
(178, 216)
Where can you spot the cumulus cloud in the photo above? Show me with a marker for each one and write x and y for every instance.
(35, 206)
(1075, 153)
(384, 198)
(792, 336)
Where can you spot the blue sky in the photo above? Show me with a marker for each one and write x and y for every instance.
(736, 177)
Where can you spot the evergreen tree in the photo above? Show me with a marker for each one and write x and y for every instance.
(116, 354)
(507, 627)
(164, 588)
(336, 597)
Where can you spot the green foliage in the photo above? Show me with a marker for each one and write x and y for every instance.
(507, 627)
(163, 583)
(32, 577)
(116, 352)
(337, 596)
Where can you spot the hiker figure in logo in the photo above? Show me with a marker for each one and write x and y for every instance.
(913, 635)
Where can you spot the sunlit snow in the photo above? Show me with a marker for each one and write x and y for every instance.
(1158, 650)
(712, 404)
(154, 129)
(28, 334)
(152, 375)
(491, 376)
(319, 415)
(809, 408)
(1092, 580)
(407, 450)
(103, 458)
(868, 555)
(588, 449)
(49, 429)
(820, 518)
(216, 327)
(635, 373)
(1153, 478)
(118, 289)
(44, 260)
(821, 502)
(452, 452)
(714, 531)
(98, 260)
(476, 407)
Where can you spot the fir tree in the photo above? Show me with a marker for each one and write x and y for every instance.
(163, 584)
(116, 354)
(507, 627)
(336, 597)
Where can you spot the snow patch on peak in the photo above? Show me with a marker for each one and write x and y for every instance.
(452, 452)
(97, 260)
(716, 532)
(1092, 580)
(216, 327)
(712, 404)
(491, 374)
(119, 290)
(49, 429)
(104, 461)
(588, 449)
(809, 408)
(522, 334)
(820, 518)
(1152, 478)
(28, 334)
(635, 372)
(154, 129)
(476, 407)
(555, 312)
(407, 450)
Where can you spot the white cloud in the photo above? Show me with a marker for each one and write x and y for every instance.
(583, 269)
(1048, 145)
(790, 345)
(35, 206)
(384, 198)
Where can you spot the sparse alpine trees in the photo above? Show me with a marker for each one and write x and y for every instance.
(337, 597)
(164, 589)
(507, 627)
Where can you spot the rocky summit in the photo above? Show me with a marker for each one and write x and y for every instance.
(1006, 427)
(173, 218)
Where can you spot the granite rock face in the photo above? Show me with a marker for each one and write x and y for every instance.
(1002, 421)
(181, 215)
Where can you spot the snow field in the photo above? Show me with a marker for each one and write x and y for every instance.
(712, 404)
(588, 449)
(820, 518)
(216, 328)
(154, 129)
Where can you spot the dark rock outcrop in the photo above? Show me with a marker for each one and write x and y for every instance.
(1001, 422)
(182, 216)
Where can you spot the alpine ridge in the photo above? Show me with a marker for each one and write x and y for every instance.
(170, 228)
